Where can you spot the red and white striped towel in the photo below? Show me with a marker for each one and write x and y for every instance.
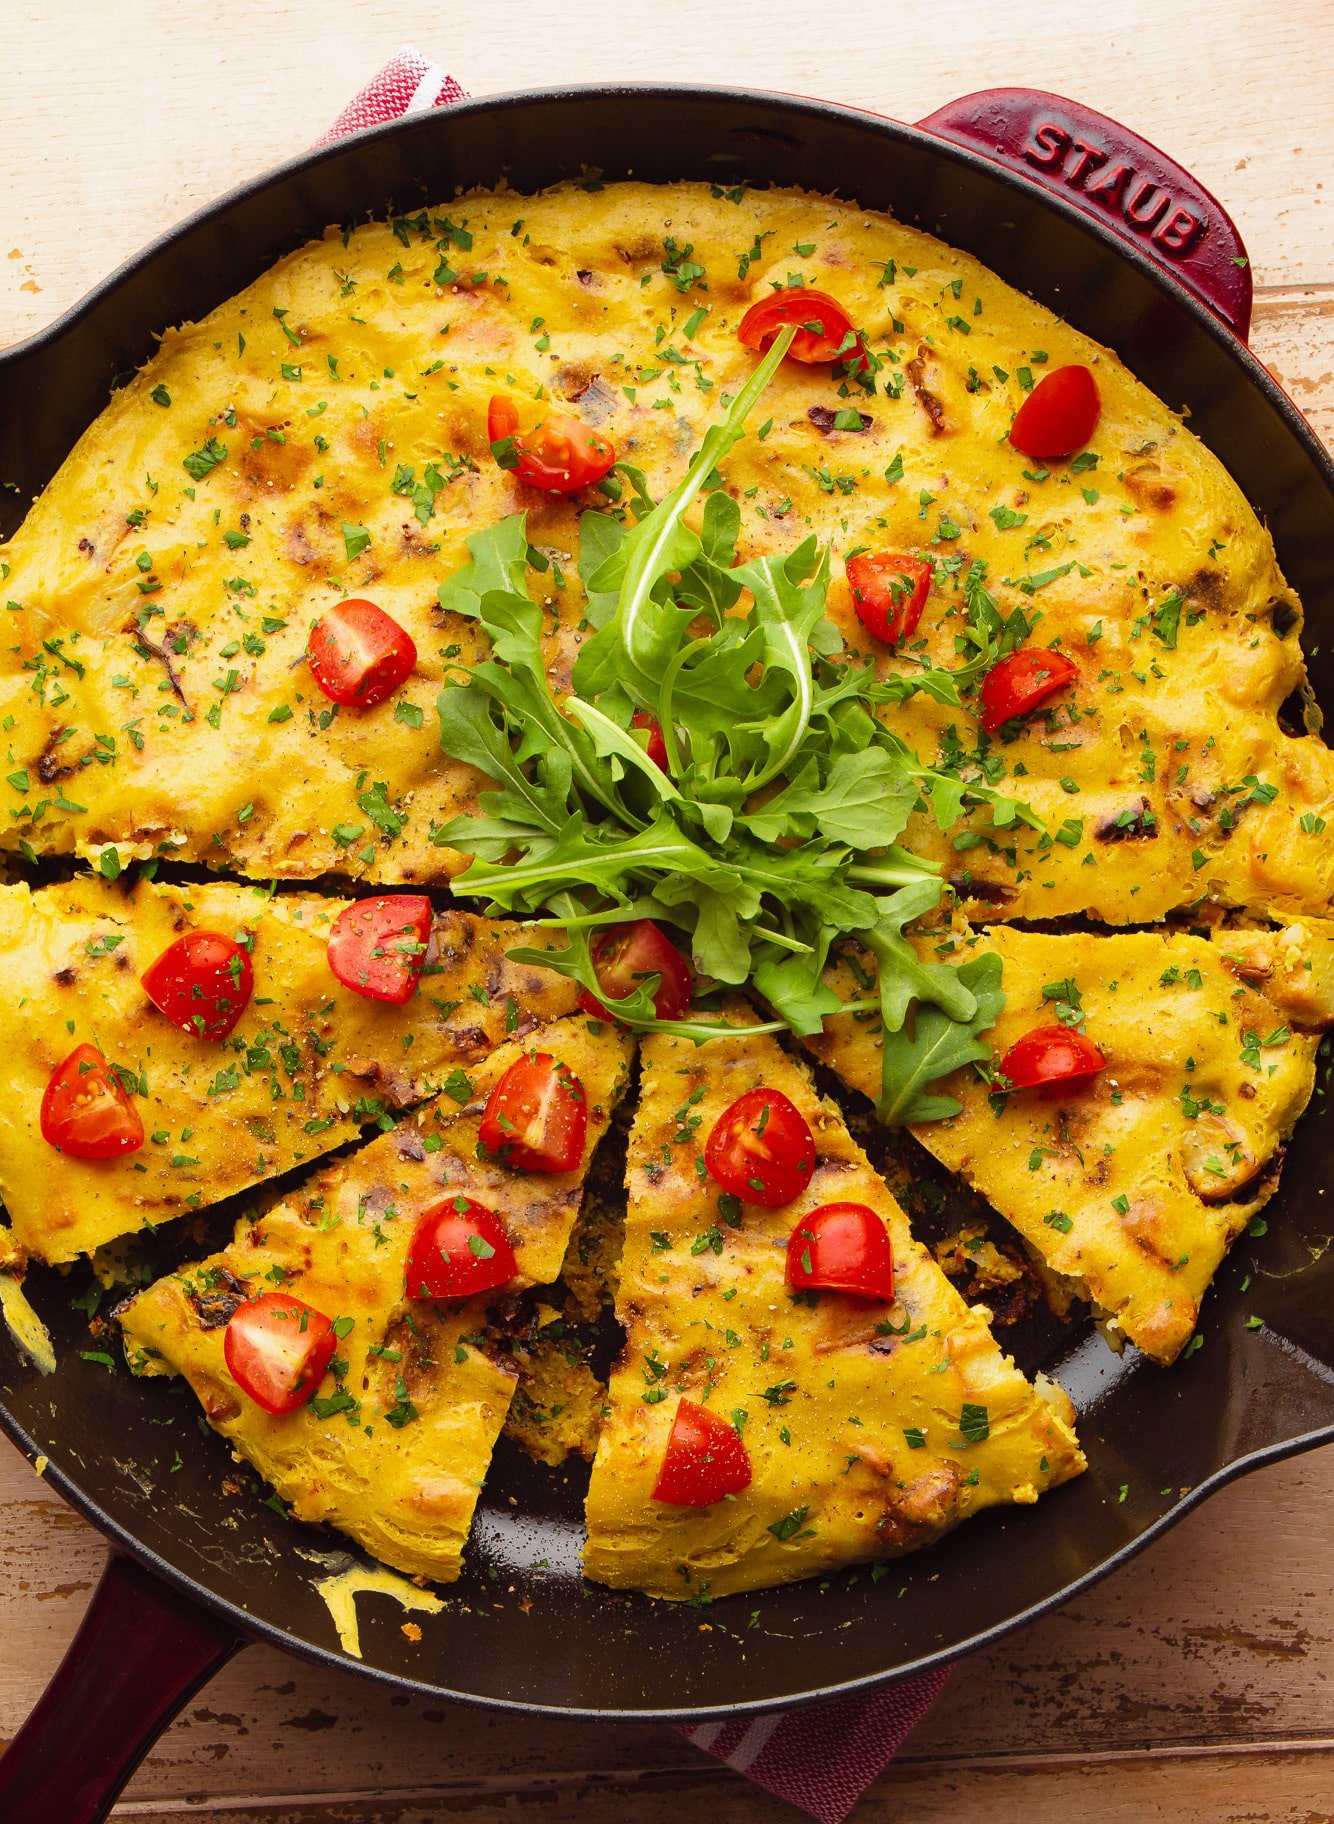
(823, 1757)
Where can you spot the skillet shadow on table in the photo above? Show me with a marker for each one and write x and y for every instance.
(521, 1628)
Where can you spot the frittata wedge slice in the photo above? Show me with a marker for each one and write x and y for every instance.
(394, 1447)
(1135, 1184)
(871, 1430)
(309, 1066)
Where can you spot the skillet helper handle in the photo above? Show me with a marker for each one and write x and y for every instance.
(140, 1653)
(1111, 173)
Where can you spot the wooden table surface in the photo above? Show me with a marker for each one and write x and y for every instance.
(1198, 1682)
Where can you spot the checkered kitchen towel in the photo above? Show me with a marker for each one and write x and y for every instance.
(823, 1757)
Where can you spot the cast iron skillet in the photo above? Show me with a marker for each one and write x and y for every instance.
(1062, 204)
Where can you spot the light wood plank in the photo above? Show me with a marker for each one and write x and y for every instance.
(1236, 1788)
(121, 130)
(1293, 335)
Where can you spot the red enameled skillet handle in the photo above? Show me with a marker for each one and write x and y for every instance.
(141, 1651)
(1113, 174)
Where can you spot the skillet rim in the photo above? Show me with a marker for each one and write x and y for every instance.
(1251, 369)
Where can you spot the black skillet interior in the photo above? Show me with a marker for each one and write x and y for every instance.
(520, 1628)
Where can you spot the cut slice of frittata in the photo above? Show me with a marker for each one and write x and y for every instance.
(309, 1066)
(394, 1446)
(870, 1429)
(1134, 1184)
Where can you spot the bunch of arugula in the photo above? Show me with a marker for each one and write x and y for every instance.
(774, 831)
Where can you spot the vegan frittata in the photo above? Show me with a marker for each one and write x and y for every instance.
(1133, 1185)
(392, 1441)
(308, 1065)
(866, 1429)
(774, 630)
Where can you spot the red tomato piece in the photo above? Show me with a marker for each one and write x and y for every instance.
(761, 1149)
(623, 955)
(1051, 1055)
(377, 946)
(889, 592)
(359, 654)
(460, 1248)
(203, 983)
(823, 333)
(277, 1350)
(85, 1111)
(657, 747)
(559, 455)
(1059, 415)
(1022, 681)
(705, 1459)
(536, 1119)
(842, 1247)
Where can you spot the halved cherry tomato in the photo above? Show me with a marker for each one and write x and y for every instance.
(842, 1247)
(657, 747)
(85, 1111)
(203, 983)
(705, 1459)
(1022, 681)
(560, 454)
(460, 1248)
(1059, 415)
(623, 955)
(377, 946)
(537, 1116)
(761, 1149)
(889, 592)
(359, 654)
(277, 1349)
(823, 333)
(1051, 1055)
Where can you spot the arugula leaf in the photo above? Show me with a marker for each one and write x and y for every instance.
(787, 612)
(793, 988)
(903, 977)
(470, 732)
(579, 858)
(865, 800)
(931, 1045)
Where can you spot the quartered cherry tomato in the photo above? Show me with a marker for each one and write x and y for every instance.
(889, 592)
(559, 454)
(1059, 415)
(624, 955)
(85, 1111)
(657, 747)
(761, 1149)
(842, 1247)
(1051, 1055)
(705, 1459)
(1022, 681)
(359, 654)
(377, 946)
(823, 335)
(460, 1248)
(203, 983)
(537, 1116)
(277, 1350)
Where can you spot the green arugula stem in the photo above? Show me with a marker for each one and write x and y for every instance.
(647, 564)
(899, 868)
